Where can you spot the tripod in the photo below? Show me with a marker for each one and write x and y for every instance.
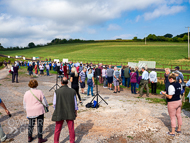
(97, 95)
(56, 85)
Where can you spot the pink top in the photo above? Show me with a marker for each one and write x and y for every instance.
(33, 106)
(133, 77)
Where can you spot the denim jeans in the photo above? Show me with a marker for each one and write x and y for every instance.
(123, 81)
(2, 134)
(90, 87)
(47, 72)
(133, 88)
(128, 81)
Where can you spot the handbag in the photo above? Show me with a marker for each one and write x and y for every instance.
(45, 108)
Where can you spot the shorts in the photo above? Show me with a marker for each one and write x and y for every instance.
(110, 79)
(116, 83)
(82, 85)
(30, 72)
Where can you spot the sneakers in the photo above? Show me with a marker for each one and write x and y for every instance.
(105, 87)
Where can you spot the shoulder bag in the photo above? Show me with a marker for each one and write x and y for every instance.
(45, 108)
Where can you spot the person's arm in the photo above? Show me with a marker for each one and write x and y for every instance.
(171, 92)
(3, 105)
(24, 104)
(71, 79)
(54, 100)
(93, 79)
(76, 107)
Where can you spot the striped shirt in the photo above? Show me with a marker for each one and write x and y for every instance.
(82, 76)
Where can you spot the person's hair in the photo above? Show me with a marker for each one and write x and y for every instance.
(65, 81)
(132, 69)
(167, 69)
(84, 68)
(173, 76)
(33, 83)
(123, 67)
(176, 72)
(90, 71)
(74, 70)
(143, 68)
(136, 68)
(115, 68)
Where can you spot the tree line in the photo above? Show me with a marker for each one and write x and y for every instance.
(151, 37)
(167, 37)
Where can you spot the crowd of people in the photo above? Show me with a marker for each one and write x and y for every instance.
(65, 99)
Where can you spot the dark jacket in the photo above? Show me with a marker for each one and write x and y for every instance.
(126, 73)
(30, 68)
(65, 104)
(15, 70)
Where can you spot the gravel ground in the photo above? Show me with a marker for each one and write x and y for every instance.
(125, 118)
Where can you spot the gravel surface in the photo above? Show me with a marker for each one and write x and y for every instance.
(125, 118)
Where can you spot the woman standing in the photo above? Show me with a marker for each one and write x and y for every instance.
(116, 76)
(75, 82)
(90, 82)
(36, 69)
(166, 80)
(137, 72)
(65, 70)
(35, 109)
(133, 76)
(104, 75)
(122, 76)
(174, 103)
(41, 69)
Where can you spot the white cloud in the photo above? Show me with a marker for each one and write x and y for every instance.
(91, 31)
(163, 10)
(124, 36)
(137, 18)
(114, 27)
(46, 19)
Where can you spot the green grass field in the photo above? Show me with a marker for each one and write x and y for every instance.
(162, 52)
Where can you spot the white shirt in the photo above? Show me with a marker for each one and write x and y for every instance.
(171, 90)
(41, 67)
(153, 76)
(145, 75)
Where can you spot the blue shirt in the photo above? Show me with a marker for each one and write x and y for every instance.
(145, 75)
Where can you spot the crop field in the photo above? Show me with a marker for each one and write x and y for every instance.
(170, 53)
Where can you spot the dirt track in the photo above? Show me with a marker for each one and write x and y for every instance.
(125, 119)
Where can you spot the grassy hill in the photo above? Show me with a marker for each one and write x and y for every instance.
(161, 52)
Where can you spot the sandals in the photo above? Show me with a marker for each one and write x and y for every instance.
(171, 134)
(178, 131)
(114, 92)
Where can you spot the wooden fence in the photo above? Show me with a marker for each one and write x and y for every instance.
(161, 66)
(161, 76)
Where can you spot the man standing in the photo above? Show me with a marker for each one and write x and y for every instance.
(65, 106)
(144, 82)
(15, 74)
(153, 80)
(110, 72)
(127, 76)
(82, 78)
(30, 70)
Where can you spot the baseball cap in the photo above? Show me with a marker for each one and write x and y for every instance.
(177, 67)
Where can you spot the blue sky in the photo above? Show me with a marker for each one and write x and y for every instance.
(40, 21)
